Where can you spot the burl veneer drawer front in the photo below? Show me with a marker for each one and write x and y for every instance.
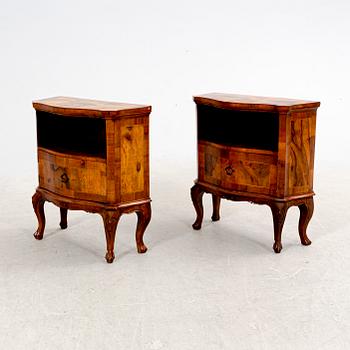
(72, 176)
(238, 169)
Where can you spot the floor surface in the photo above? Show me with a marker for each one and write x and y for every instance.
(218, 288)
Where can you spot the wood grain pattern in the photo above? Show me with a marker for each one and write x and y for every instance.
(229, 165)
(74, 175)
(209, 163)
(132, 159)
(301, 154)
(112, 176)
(75, 107)
(244, 102)
(283, 154)
(237, 168)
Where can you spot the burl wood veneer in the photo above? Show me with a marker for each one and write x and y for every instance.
(93, 156)
(256, 149)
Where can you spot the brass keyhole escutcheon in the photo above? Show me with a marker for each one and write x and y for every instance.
(229, 170)
(64, 178)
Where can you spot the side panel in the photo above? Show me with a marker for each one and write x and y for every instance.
(301, 152)
(134, 158)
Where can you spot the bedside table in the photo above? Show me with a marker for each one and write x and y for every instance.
(93, 156)
(256, 149)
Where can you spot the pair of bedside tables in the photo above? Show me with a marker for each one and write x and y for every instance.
(94, 156)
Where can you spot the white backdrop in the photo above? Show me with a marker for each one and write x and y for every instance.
(161, 53)
(218, 288)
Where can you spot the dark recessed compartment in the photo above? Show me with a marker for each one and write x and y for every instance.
(246, 129)
(78, 135)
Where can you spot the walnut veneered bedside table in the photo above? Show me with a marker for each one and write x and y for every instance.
(256, 149)
(93, 156)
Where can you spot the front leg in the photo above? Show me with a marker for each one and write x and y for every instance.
(38, 205)
(306, 211)
(216, 207)
(143, 219)
(279, 211)
(110, 220)
(197, 196)
(63, 222)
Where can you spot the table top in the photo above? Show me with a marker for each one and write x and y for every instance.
(234, 101)
(72, 106)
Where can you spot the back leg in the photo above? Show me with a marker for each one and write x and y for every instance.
(306, 211)
(63, 222)
(216, 207)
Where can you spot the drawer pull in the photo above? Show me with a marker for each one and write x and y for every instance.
(229, 170)
(64, 178)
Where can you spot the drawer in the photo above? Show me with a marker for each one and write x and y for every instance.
(249, 175)
(77, 177)
(238, 169)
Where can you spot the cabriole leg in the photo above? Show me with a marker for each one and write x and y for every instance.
(143, 219)
(38, 205)
(63, 222)
(197, 196)
(216, 207)
(306, 211)
(279, 211)
(110, 220)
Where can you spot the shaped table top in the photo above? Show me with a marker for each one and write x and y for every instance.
(234, 101)
(72, 106)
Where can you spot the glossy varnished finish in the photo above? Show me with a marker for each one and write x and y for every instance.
(82, 107)
(73, 176)
(258, 103)
(110, 182)
(237, 168)
(277, 174)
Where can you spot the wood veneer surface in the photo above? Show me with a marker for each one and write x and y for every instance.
(73, 106)
(244, 102)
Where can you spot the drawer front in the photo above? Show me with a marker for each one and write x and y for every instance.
(250, 175)
(75, 177)
(238, 169)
